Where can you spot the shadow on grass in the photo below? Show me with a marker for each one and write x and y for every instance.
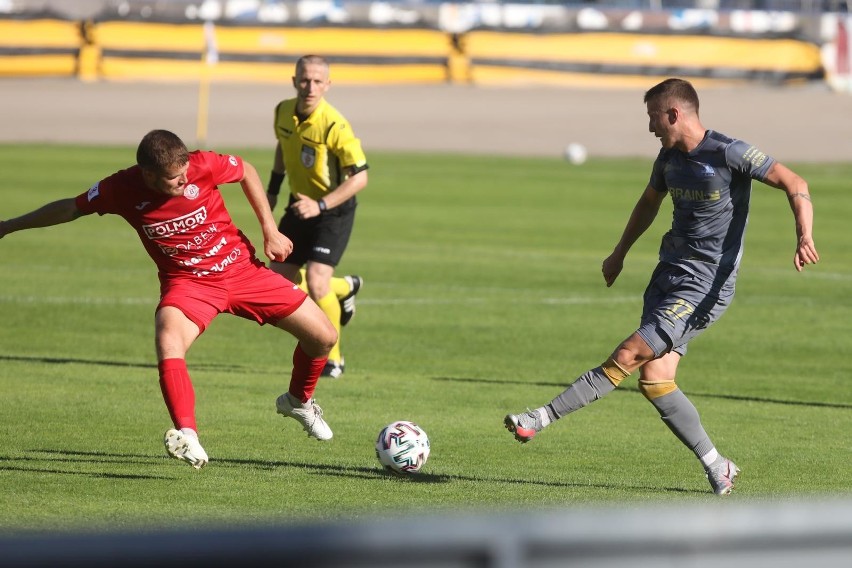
(815, 404)
(8, 463)
(368, 473)
(125, 364)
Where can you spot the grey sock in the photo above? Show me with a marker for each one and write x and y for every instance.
(588, 388)
(682, 418)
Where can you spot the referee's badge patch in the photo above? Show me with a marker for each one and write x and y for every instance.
(309, 156)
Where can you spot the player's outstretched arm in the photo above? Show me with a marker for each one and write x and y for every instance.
(275, 245)
(54, 213)
(796, 188)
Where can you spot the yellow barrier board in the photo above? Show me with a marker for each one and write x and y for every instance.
(171, 52)
(40, 34)
(38, 48)
(638, 50)
(135, 69)
(121, 50)
(334, 41)
(38, 65)
(137, 36)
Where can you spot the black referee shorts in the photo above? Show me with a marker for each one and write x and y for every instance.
(320, 239)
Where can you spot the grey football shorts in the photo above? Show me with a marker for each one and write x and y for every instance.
(678, 306)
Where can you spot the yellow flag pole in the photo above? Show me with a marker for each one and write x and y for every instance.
(208, 59)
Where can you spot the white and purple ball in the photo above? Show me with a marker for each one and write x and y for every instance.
(402, 447)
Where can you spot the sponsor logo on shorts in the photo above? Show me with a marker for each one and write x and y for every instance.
(176, 226)
(232, 160)
(322, 250)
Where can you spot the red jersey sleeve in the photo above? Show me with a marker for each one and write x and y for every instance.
(101, 197)
(223, 168)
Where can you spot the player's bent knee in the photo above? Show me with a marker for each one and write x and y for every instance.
(331, 338)
(655, 389)
(322, 338)
(316, 346)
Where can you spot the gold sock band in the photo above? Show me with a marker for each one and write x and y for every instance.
(653, 390)
(613, 371)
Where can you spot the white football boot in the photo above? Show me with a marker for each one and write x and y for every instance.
(185, 448)
(309, 415)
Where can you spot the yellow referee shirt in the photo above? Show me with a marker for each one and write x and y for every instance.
(317, 151)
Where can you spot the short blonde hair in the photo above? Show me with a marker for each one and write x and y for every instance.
(306, 60)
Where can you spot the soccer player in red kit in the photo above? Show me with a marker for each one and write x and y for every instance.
(207, 266)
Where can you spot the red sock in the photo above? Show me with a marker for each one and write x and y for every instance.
(306, 373)
(178, 392)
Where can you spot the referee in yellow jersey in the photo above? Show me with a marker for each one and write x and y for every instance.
(326, 167)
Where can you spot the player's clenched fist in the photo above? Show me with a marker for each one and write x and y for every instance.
(277, 247)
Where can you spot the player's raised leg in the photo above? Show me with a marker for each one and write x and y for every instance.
(587, 388)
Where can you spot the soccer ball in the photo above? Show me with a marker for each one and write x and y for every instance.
(402, 447)
(576, 153)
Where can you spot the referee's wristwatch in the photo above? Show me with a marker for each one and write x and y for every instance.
(322, 206)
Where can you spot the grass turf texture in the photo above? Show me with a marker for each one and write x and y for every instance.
(483, 296)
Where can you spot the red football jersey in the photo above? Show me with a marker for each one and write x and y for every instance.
(191, 235)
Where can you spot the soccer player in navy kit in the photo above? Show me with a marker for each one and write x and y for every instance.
(206, 266)
(708, 176)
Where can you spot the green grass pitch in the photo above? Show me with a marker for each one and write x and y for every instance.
(483, 295)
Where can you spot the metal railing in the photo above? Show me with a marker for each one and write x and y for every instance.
(776, 535)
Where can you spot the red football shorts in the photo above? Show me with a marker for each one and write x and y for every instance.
(251, 291)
